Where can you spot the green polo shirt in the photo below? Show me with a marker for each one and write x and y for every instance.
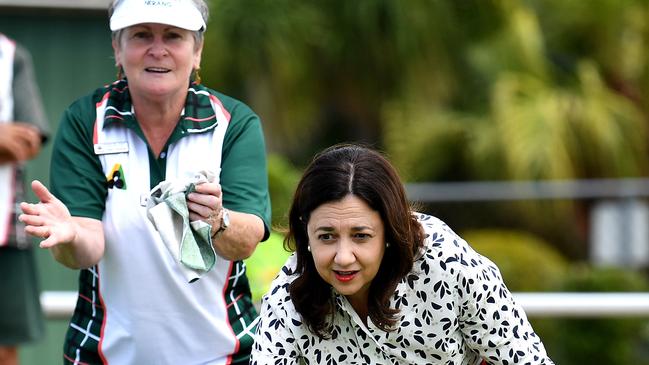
(77, 177)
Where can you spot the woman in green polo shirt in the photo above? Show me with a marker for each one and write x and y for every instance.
(159, 283)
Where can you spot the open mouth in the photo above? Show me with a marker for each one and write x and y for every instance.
(158, 70)
(345, 275)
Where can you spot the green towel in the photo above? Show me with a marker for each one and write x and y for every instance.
(190, 243)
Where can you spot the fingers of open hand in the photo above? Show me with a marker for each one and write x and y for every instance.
(39, 231)
(44, 211)
(30, 215)
(52, 235)
(44, 221)
(37, 227)
(45, 196)
(51, 241)
(28, 208)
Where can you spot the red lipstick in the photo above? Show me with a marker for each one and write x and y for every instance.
(345, 276)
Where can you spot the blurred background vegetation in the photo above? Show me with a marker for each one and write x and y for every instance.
(450, 90)
(465, 90)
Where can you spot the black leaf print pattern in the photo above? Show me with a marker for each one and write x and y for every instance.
(419, 339)
(318, 355)
(274, 324)
(411, 279)
(442, 288)
(425, 267)
(399, 299)
(427, 316)
(437, 239)
(422, 295)
(274, 291)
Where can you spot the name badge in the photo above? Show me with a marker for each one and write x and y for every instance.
(108, 148)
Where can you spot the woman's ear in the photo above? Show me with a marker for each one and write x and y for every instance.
(117, 51)
(197, 56)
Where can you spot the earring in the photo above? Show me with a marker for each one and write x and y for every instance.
(197, 77)
(120, 72)
(387, 245)
(308, 248)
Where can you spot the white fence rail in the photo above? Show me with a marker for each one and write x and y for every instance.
(60, 304)
(584, 304)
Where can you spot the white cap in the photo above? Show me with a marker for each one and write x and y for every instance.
(177, 13)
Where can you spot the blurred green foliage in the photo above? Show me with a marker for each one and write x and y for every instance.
(282, 181)
(526, 262)
(264, 264)
(554, 89)
(268, 258)
(451, 90)
(615, 341)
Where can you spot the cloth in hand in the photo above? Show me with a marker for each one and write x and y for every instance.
(190, 243)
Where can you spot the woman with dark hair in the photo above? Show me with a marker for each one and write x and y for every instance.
(371, 281)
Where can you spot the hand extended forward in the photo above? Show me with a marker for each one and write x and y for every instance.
(76, 242)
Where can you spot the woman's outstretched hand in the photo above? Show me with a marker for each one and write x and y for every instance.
(48, 219)
(76, 242)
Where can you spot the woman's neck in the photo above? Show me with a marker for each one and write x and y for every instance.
(157, 118)
(360, 306)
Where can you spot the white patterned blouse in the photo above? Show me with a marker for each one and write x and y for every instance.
(454, 309)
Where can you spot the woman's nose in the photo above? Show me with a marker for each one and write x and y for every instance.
(344, 253)
(158, 48)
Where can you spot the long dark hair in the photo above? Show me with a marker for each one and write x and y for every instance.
(333, 174)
